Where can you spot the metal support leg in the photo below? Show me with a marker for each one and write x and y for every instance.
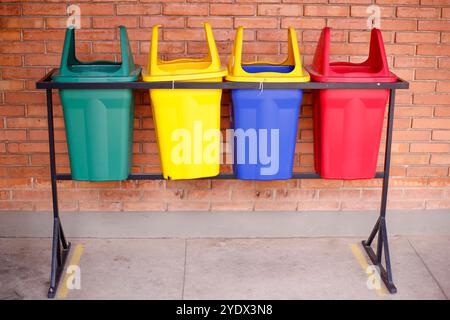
(60, 248)
(380, 225)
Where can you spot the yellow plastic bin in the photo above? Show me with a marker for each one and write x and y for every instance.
(187, 121)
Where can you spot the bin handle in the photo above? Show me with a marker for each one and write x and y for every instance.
(125, 53)
(68, 56)
(153, 54)
(293, 56)
(212, 56)
(321, 61)
(376, 58)
(236, 57)
(377, 53)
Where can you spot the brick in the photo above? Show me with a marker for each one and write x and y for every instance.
(415, 62)
(417, 37)
(318, 206)
(257, 23)
(215, 22)
(232, 206)
(16, 205)
(275, 206)
(10, 85)
(339, 194)
(327, 11)
(9, 10)
(208, 194)
(232, 9)
(280, 10)
(444, 63)
(348, 23)
(431, 123)
(430, 147)
(434, 74)
(40, 35)
(361, 11)
(185, 9)
(434, 25)
(166, 22)
(113, 22)
(418, 12)
(8, 60)
(435, 99)
(433, 49)
(438, 204)
(13, 160)
(100, 206)
(322, 184)
(406, 159)
(41, 9)
(61, 23)
(428, 171)
(439, 182)
(398, 205)
(446, 13)
(24, 97)
(15, 183)
(21, 47)
(294, 195)
(441, 135)
(97, 9)
(11, 23)
(411, 135)
(256, 195)
(144, 206)
(42, 60)
(132, 9)
(440, 159)
(10, 35)
(398, 25)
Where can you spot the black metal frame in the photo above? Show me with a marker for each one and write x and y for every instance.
(61, 248)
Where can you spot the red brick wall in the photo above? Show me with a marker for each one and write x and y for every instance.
(417, 37)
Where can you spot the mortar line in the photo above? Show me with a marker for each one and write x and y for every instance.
(427, 268)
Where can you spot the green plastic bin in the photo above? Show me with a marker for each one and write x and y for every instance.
(99, 123)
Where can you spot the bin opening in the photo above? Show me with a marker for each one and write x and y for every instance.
(95, 68)
(254, 68)
(353, 69)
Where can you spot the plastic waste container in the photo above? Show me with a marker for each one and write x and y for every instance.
(265, 120)
(348, 122)
(187, 121)
(99, 123)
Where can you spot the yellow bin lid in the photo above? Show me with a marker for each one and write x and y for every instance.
(183, 69)
(237, 73)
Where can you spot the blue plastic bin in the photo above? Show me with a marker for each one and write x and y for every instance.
(265, 109)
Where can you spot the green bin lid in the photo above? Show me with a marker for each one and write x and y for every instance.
(74, 70)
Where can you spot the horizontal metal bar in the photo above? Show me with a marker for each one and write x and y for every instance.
(46, 83)
(222, 176)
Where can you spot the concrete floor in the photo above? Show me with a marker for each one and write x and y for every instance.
(290, 268)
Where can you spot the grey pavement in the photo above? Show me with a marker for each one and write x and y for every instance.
(247, 268)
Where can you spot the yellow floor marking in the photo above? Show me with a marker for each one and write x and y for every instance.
(74, 260)
(362, 261)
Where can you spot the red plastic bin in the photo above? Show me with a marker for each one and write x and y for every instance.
(348, 122)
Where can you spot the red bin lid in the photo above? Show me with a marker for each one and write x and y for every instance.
(374, 69)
